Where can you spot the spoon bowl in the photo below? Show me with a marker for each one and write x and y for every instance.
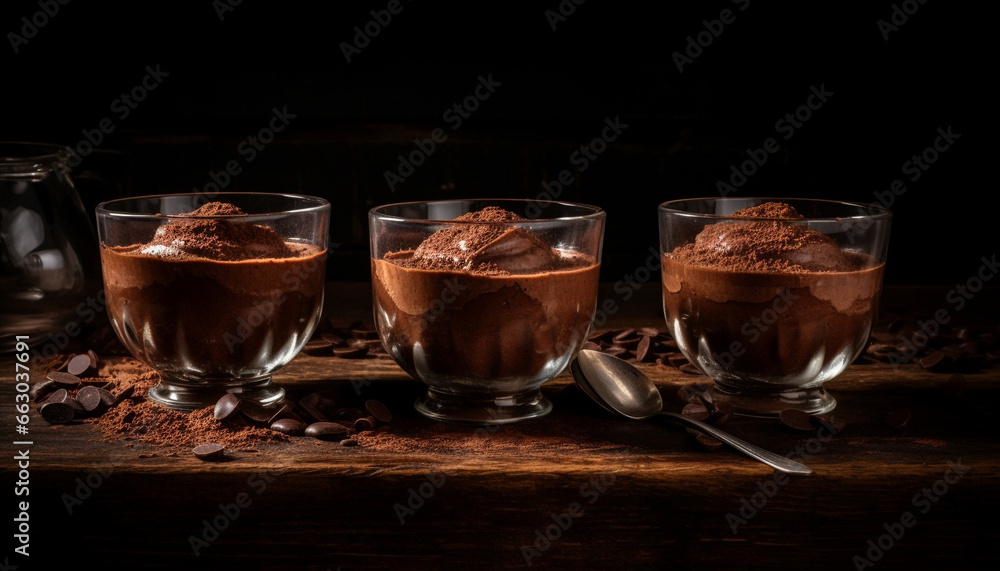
(624, 390)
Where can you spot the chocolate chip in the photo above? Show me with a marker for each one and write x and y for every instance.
(209, 451)
(624, 334)
(797, 420)
(255, 412)
(696, 411)
(899, 418)
(931, 360)
(227, 406)
(286, 410)
(125, 393)
(351, 413)
(289, 426)
(55, 363)
(318, 347)
(629, 343)
(58, 395)
(75, 405)
(41, 389)
(952, 354)
(348, 424)
(64, 380)
(372, 344)
(601, 336)
(349, 442)
(616, 350)
(326, 431)
(94, 360)
(364, 423)
(642, 349)
(90, 398)
(378, 410)
(707, 442)
(721, 412)
(591, 346)
(310, 405)
(351, 352)
(880, 350)
(691, 394)
(667, 345)
(335, 340)
(648, 331)
(79, 365)
(107, 399)
(57, 412)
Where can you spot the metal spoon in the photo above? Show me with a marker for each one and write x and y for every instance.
(624, 390)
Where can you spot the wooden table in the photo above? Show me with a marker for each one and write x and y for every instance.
(571, 490)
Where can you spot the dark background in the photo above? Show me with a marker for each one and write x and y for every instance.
(606, 60)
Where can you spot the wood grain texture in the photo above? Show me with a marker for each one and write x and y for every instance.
(630, 495)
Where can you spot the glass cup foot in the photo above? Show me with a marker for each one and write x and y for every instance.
(485, 410)
(186, 396)
(769, 404)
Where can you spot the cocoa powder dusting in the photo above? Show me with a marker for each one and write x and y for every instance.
(216, 209)
(223, 239)
(483, 243)
(456, 247)
(769, 210)
(767, 246)
(137, 419)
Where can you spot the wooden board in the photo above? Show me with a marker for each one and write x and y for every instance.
(575, 488)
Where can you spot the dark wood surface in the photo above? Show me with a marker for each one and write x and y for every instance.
(630, 495)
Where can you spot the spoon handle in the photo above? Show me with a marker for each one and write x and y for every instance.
(773, 460)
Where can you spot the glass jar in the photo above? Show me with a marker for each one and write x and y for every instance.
(49, 269)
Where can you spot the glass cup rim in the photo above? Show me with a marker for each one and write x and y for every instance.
(106, 208)
(879, 212)
(594, 212)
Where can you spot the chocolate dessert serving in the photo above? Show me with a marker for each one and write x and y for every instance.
(761, 301)
(484, 304)
(211, 297)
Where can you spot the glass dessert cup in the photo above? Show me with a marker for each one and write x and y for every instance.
(484, 311)
(214, 302)
(771, 307)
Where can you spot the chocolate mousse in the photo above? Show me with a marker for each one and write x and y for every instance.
(484, 304)
(214, 298)
(762, 301)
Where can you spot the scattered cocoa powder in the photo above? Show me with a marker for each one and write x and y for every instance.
(152, 423)
(505, 441)
(134, 418)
